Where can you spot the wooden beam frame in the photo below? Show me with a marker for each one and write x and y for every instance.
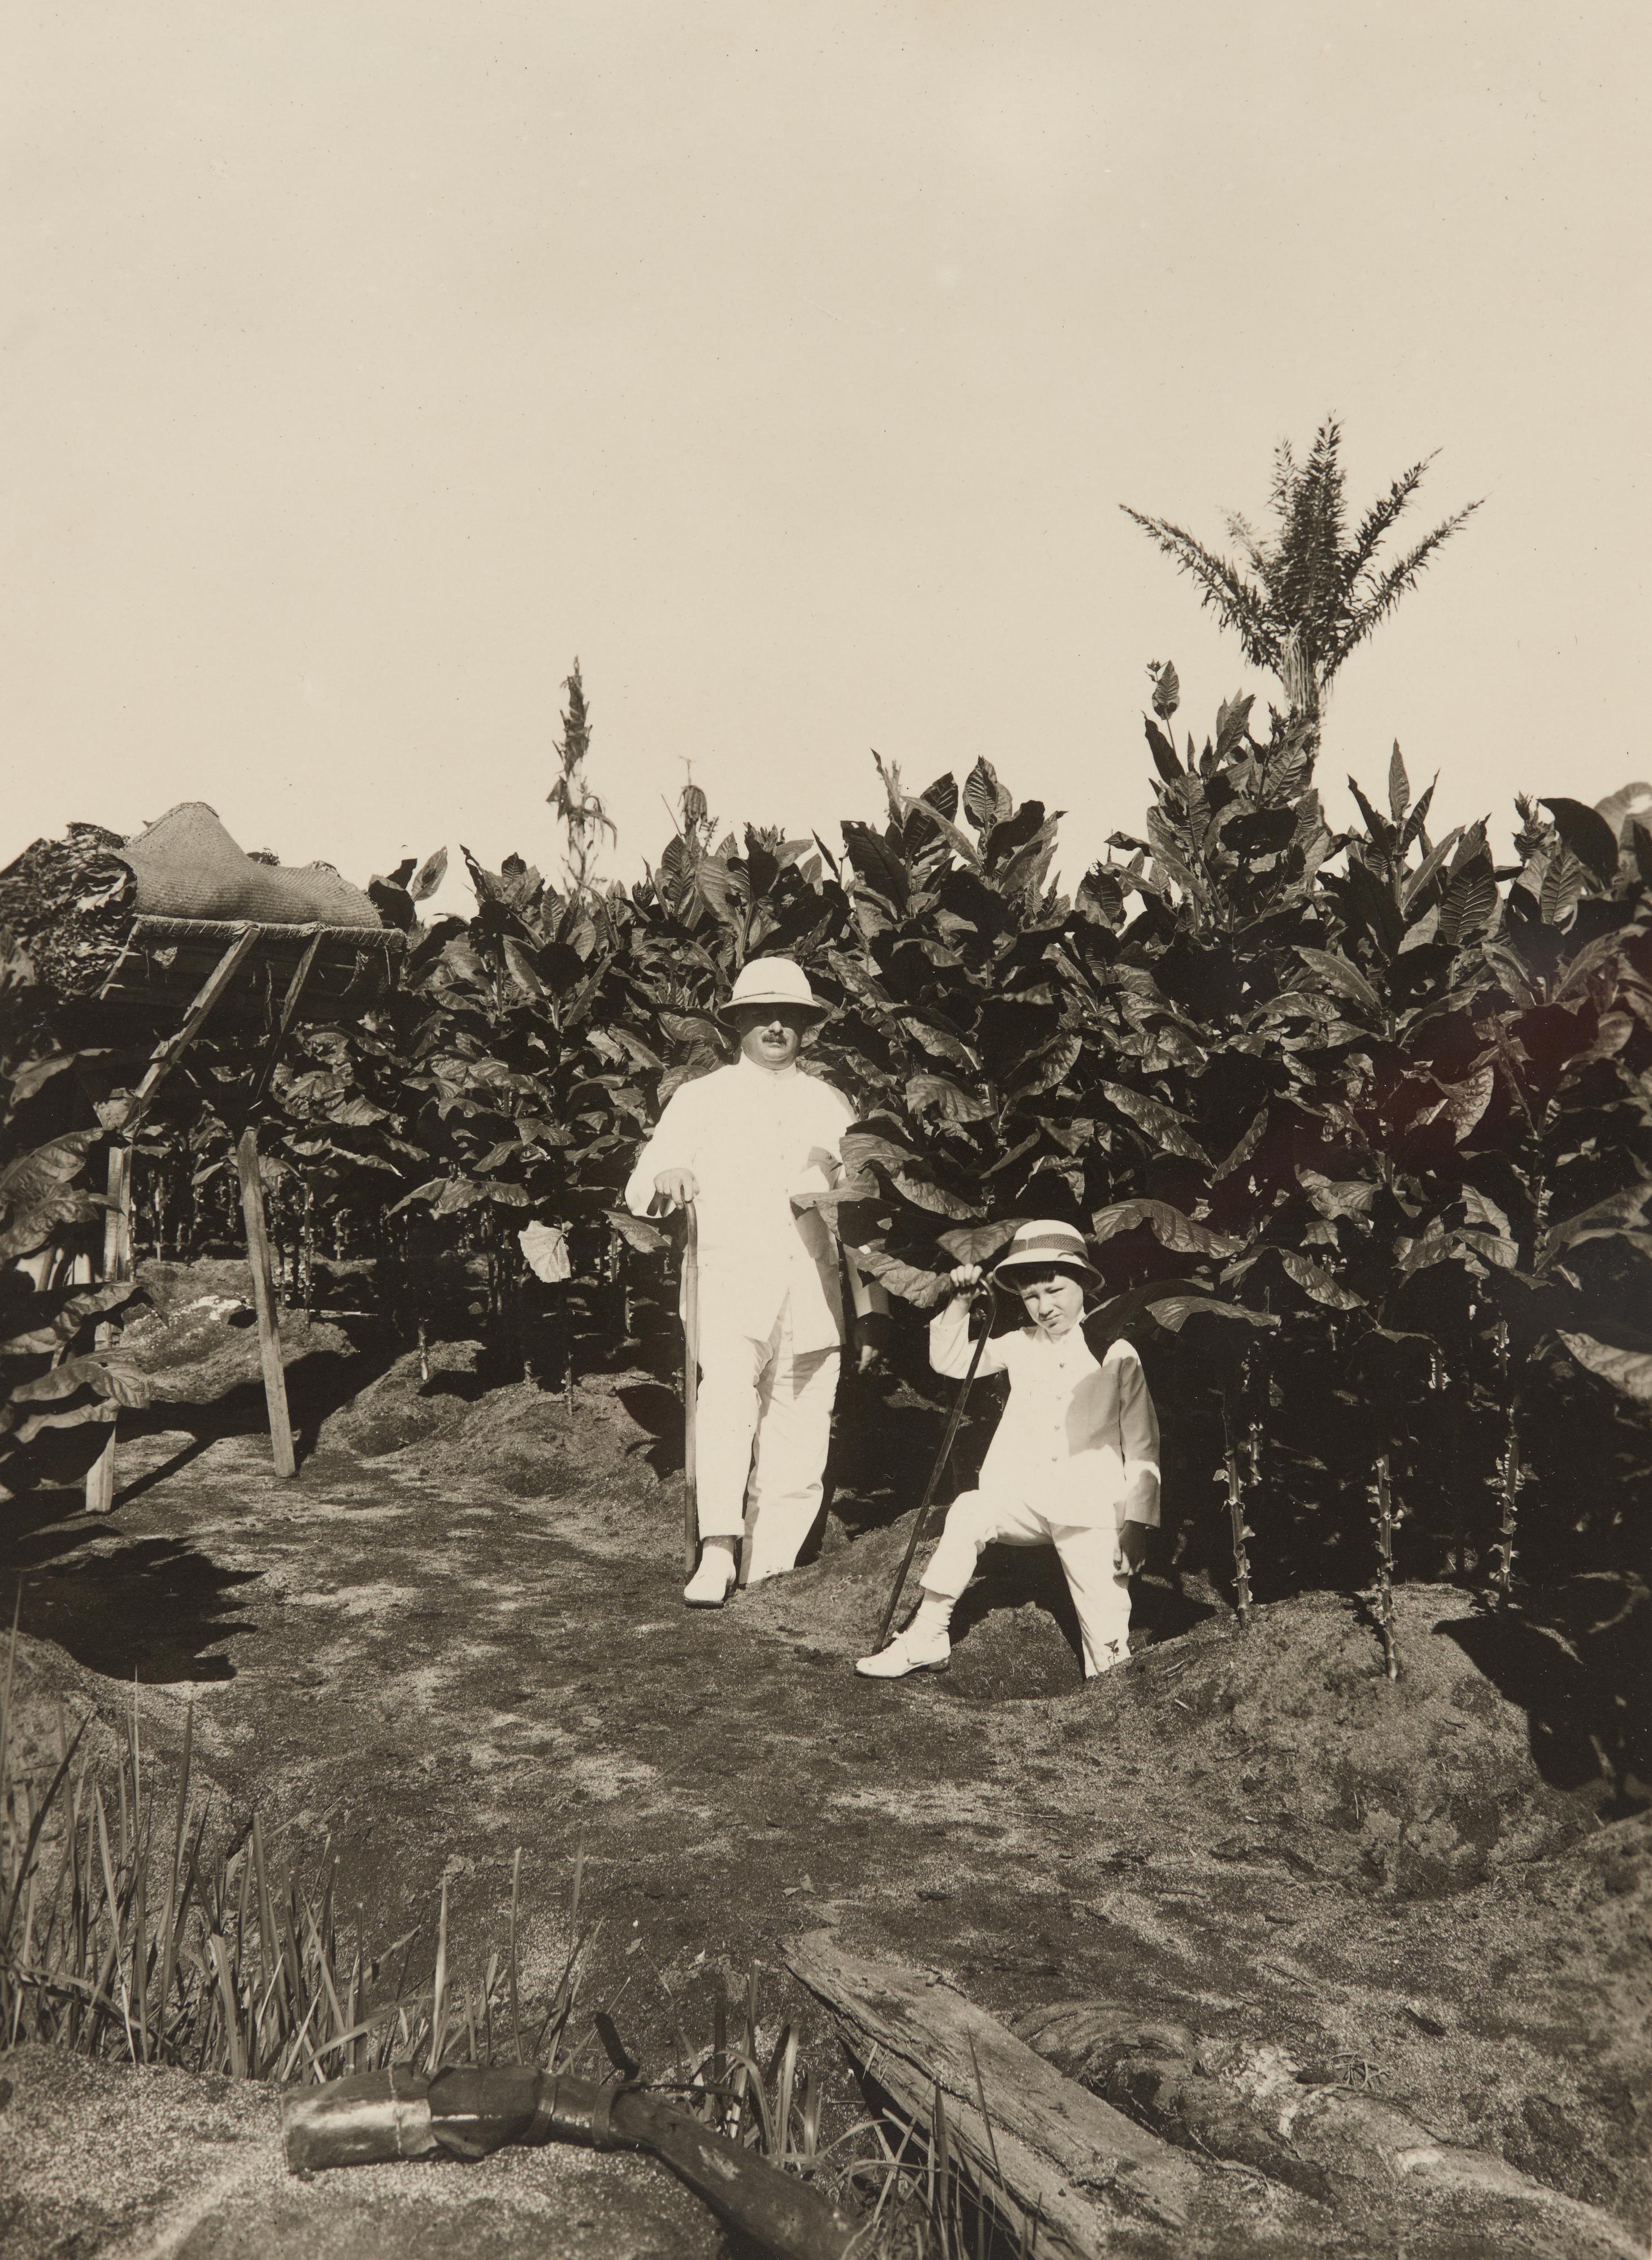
(123, 1127)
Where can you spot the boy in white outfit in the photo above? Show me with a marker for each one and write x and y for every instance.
(1074, 1462)
(743, 1144)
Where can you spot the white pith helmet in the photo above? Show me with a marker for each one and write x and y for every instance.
(772, 981)
(1043, 1243)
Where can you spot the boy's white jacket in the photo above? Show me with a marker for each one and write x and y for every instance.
(755, 1139)
(1079, 1439)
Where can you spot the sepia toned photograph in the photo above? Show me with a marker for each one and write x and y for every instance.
(826, 1131)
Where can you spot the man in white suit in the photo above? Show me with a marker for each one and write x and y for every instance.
(743, 1143)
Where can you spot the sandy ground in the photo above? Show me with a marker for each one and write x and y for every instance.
(459, 1631)
(151, 2165)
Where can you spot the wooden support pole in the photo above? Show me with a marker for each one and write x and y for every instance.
(168, 1054)
(290, 1006)
(100, 1477)
(264, 1301)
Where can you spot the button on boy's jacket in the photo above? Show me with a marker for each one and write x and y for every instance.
(1079, 1439)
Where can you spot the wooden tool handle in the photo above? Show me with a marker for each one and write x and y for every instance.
(778, 2211)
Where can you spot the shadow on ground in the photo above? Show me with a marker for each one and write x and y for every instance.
(1579, 1663)
(149, 1609)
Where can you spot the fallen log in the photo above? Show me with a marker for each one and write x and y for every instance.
(1064, 2159)
(1349, 2148)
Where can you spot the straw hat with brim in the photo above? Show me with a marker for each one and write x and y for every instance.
(1039, 1245)
(772, 981)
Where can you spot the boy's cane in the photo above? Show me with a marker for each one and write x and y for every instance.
(690, 1388)
(981, 1294)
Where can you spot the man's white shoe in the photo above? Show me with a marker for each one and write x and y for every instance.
(907, 1653)
(709, 1587)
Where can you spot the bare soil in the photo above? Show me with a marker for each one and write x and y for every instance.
(460, 1631)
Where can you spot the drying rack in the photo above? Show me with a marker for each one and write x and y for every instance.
(177, 973)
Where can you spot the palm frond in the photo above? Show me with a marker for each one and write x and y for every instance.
(1308, 583)
(1242, 606)
(1369, 610)
(1381, 516)
(1245, 537)
(1285, 478)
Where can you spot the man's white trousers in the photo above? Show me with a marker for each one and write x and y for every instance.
(764, 1429)
(1101, 1593)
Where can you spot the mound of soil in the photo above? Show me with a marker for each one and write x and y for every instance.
(1418, 1787)
(1014, 1635)
(516, 1439)
(50, 1697)
(198, 1339)
(417, 1401)
(1318, 2121)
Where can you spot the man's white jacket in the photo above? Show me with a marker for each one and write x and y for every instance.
(1079, 1439)
(755, 1138)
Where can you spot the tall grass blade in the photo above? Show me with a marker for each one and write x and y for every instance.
(438, 2013)
(783, 2093)
(516, 1902)
(168, 1944)
(33, 1840)
(220, 1950)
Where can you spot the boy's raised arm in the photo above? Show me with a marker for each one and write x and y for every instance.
(950, 1347)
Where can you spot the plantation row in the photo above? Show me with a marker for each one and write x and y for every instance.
(1361, 1125)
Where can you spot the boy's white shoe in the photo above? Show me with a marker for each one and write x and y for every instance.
(708, 1587)
(908, 1651)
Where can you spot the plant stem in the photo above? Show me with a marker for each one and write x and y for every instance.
(1240, 1530)
(1511, 1477)
(1387, 1522)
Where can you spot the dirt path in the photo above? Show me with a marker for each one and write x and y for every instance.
(476, 1642)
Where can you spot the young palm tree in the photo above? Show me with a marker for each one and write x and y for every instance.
(1302, 600)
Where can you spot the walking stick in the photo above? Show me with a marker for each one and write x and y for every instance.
(690, 1388)
(980, 1295)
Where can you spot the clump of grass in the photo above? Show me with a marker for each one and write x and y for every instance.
(916, 2195)
(764, 2096)
(121, 1935)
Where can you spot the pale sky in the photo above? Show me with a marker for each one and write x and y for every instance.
(366, 360)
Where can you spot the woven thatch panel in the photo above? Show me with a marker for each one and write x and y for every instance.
(188, 867)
